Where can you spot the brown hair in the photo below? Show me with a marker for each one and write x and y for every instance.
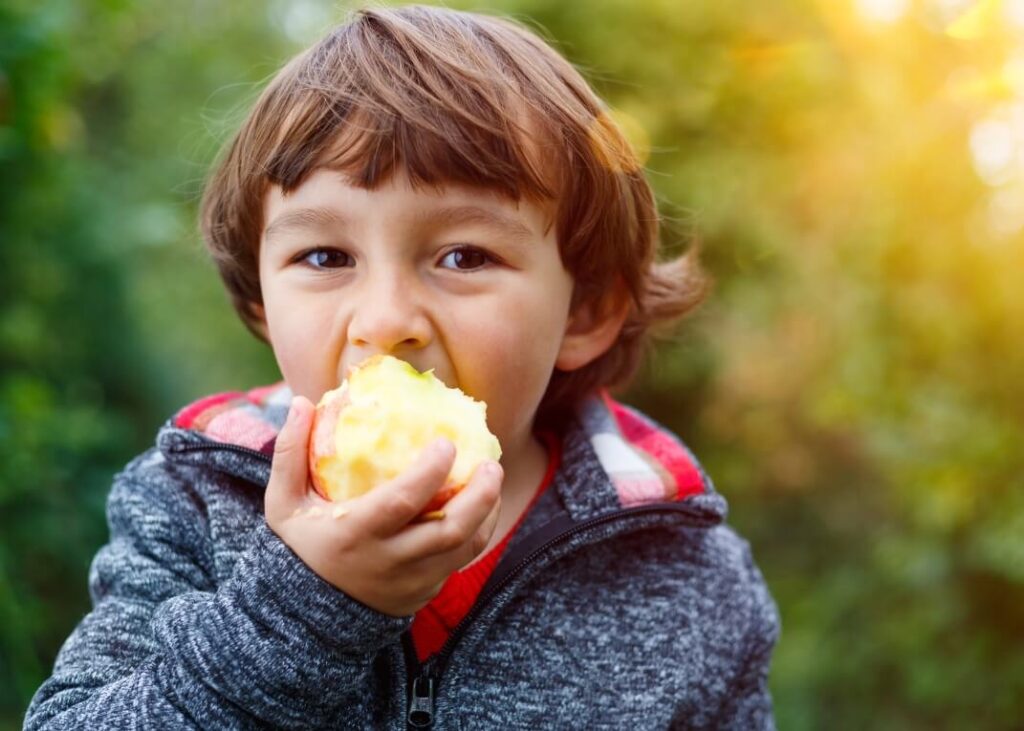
(466, 98)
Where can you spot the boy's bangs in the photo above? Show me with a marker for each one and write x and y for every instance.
(369, 144)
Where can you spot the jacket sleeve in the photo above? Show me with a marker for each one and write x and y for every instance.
(274, 646)
(748, 701)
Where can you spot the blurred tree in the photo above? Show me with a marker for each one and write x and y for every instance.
(96, 347)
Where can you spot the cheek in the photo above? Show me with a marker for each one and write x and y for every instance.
(301, 347)
(294, 358)
(510, 368)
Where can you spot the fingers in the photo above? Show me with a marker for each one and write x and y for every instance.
(491, 521)
(394, 504)
(289, 471)
(468, 525)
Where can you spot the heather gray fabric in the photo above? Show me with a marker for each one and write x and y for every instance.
(203, 619)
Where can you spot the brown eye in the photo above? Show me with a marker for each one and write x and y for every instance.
(467, 258)
(325, 258)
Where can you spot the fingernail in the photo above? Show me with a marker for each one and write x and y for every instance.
(291, 412)
(442, 447)
(492, 469)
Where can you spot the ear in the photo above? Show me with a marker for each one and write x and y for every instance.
(261, 322)
(593, 328)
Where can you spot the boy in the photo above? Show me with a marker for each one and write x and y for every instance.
(443, 187)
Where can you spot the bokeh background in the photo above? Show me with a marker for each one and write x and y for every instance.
(855, 385)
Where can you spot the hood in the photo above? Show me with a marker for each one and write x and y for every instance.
(613, 456)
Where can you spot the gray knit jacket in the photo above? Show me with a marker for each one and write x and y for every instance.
(623, 601)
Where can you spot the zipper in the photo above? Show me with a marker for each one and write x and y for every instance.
(421, 701)
(222, 448)
(423, 681)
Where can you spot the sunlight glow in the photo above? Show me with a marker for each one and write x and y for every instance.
(1014, 11)
(1013, 73)
(993, 150)
(1006, 211)
(882, 11)
(975, 22)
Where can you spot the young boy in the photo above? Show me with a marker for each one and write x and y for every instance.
(443, 187)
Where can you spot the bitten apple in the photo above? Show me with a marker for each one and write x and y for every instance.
(377, 422)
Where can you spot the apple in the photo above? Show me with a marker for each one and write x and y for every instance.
(377, 422)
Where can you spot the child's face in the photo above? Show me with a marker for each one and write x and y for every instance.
(407, 273)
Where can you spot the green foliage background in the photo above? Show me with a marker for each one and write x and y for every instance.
(853, 386)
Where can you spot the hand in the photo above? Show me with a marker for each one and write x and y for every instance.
(370, 547)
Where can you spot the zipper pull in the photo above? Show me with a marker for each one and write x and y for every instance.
(421, 702)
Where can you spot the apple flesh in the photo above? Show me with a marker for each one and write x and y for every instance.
(377, 422)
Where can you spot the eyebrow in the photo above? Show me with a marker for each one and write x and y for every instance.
(320, 217)
(304, 219)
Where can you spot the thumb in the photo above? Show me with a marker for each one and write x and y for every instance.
(289, 470)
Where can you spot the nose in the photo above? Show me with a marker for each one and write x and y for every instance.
(388, 316)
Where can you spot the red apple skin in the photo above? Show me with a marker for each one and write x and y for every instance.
(321, 444)
(442, 496)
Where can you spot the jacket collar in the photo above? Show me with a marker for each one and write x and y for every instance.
(613, 456)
